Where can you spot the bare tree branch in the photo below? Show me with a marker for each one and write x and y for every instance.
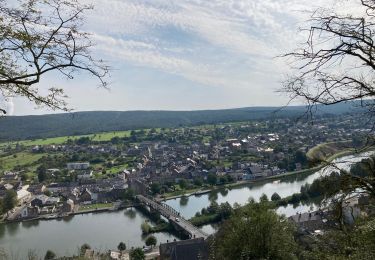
(40, 37)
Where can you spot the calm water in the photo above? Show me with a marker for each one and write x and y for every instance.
(285, 187)
(101, 231)
(105, 230)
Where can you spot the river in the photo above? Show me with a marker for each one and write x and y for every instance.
(284, 187)
(104, 231)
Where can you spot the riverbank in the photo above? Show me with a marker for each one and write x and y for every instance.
(200, 191)
(86, 209)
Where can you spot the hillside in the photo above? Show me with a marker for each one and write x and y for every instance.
(42, 126)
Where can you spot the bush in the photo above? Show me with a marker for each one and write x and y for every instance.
(275, 197)
(151, 241)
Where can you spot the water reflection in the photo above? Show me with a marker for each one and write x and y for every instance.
(12, 228)
(131, 213)
(101, 231)
(2, 230)
(67, 219)
(213, 196)
(30, 224)
(224, 192)
(286, 186)
(105, 230)
(184, 200)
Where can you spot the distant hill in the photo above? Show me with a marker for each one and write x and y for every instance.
(43, 126)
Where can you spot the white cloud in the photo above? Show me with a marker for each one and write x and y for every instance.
(230, 44)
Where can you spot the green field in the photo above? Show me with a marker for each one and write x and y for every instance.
(60, 140)
(19, 159)
(99, 137)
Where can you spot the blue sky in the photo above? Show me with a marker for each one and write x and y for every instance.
(185, 54)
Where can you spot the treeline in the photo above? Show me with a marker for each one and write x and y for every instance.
(43, 126)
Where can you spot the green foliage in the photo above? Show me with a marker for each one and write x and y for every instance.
(155, 188)
(264, 198)
(42, 173)
(83, 248)
(275, 197)
(213, 213)
(49, 255)
(10, 200)
(357, 243)
(146, 228)
(212, 179)
(81, 123)
(121, 246)
(151, 241)
(198, 182)
(137, 254)
(128, 194)
(255, 232)
(182, 183)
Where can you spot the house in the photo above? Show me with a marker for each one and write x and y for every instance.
(85, 175)
(47, 210)
(311, 221)
(37, 189)
(10, 176)
(184, 250)
(67, 206)
(119, 255)
(39, 201)
(86, 196)
(60, 187)
(78, 166)
(30, 212)
(23, 195)
(4, 188)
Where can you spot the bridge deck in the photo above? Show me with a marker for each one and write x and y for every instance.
(172, 215)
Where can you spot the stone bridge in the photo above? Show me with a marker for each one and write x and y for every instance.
(174, 217)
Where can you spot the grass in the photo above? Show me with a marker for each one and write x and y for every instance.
(62, 139)
(95, 206)
(19, 159)
(118, 168)
(99, 137)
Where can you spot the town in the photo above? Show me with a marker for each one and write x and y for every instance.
(63, 178)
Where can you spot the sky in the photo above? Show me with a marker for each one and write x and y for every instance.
(185, 54)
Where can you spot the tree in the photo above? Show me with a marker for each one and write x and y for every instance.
(198, 182)
(137, 254)
(121, 246)
(335, 64)
(39, 37)
(42, 173)
(356, 244)
(83, 249)
(263, 198)
(145, 227)
(128, 194)
(182, 183)
(49, 255)
(151, 241)
(10, 200)
(275, 197)
(212, 178)
(155, 187)
(255, 232)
